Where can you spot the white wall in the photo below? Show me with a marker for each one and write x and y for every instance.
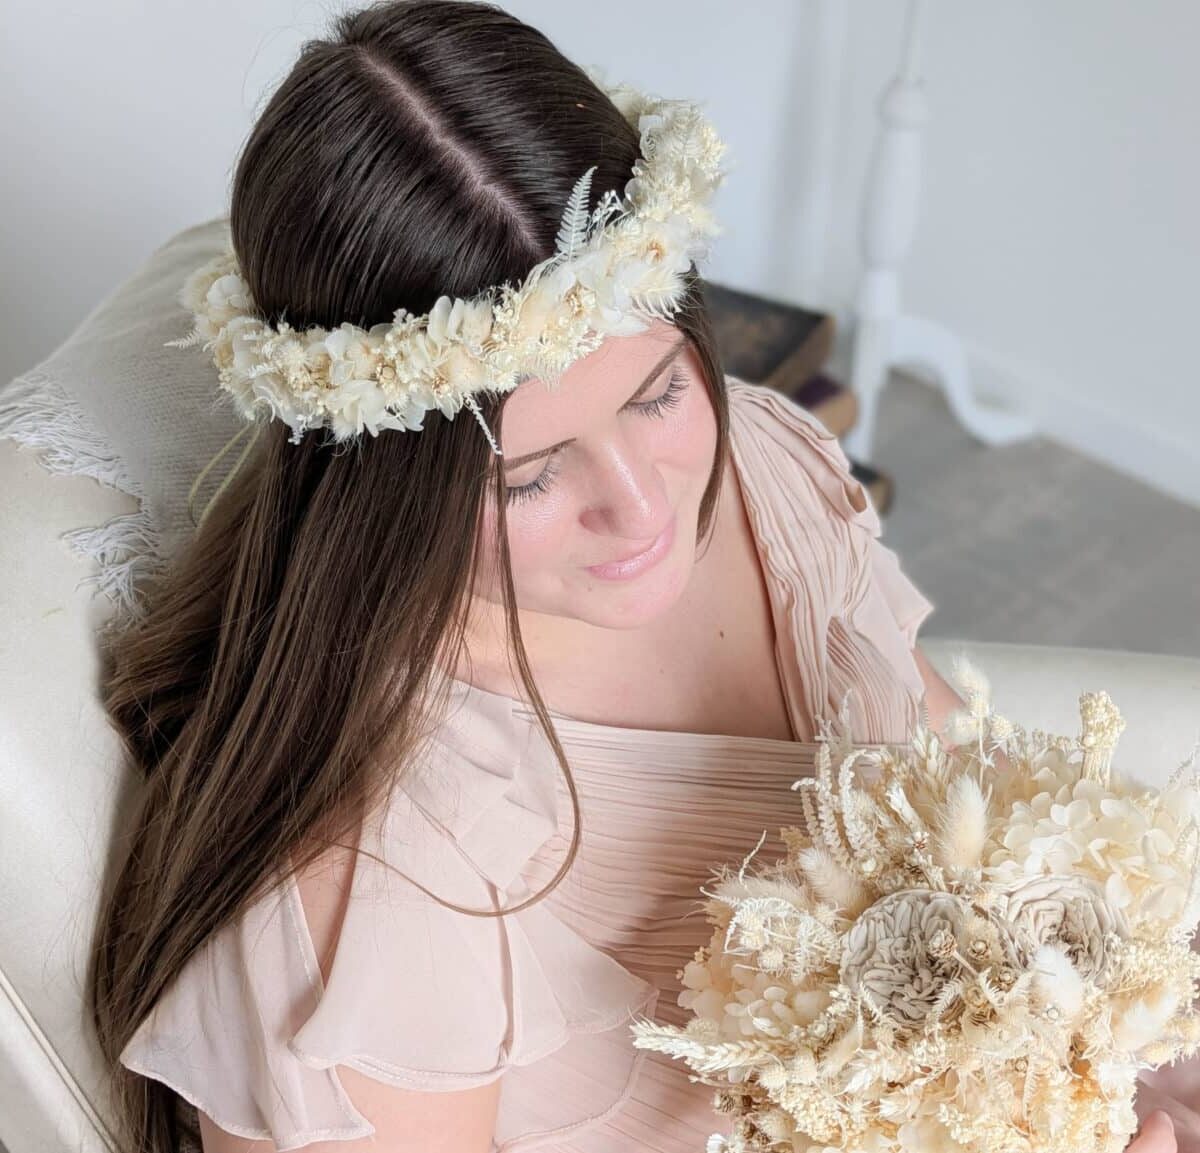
(1058, 233)
(1060, 224)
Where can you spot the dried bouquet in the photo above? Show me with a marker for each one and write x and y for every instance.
(958, 951)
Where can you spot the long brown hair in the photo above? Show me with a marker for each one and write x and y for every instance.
(283, 672)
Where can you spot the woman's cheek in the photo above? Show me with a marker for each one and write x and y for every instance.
(538, 536)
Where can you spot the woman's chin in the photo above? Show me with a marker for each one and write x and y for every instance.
(634, 602)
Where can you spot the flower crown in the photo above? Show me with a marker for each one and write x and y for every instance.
(623, 262)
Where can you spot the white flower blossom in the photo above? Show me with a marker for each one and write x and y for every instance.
(955, 1008)
(1128, 843)
(1068, 911)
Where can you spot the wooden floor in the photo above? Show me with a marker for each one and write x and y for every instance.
(1034, 542)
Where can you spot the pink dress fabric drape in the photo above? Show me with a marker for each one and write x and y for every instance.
(422, 997)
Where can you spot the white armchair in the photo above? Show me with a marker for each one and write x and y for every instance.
(65, 794)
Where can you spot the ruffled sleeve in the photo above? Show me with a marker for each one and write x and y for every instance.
(419, 996)
(857, 613)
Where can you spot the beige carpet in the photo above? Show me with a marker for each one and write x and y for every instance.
(1034, 542)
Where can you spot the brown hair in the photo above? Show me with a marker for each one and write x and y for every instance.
(282, 674)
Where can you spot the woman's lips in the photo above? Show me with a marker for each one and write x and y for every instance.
(635, 565)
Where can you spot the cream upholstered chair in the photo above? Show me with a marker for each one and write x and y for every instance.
(65, 794)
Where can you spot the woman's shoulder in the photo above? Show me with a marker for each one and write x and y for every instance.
(358, 960)
(770, 405)
(323, 887)
(473, 802)
(801, 487)
(785, 451)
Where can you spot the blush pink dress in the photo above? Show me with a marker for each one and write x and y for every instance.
(422, 997)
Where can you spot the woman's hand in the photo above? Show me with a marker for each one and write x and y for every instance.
(1157, 1135)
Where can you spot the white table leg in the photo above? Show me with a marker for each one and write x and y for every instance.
(884, 336)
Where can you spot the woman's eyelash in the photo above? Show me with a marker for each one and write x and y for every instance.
(534, 487)
(669, 399)
(655, 407)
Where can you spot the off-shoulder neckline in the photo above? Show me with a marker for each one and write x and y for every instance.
(783, 629)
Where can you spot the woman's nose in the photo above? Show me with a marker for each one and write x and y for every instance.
(629, 499)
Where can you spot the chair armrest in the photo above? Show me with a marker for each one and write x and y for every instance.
(1038, 686)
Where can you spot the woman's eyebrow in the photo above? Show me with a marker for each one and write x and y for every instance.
(653, 375)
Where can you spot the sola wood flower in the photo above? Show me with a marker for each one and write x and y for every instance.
(907, 957)
(957, 952)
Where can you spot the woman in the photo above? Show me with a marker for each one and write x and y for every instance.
(344, 786)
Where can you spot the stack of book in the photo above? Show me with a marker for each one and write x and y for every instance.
(787, 347)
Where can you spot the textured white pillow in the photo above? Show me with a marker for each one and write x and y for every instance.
(112, 403)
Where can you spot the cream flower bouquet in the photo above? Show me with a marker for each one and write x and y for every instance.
(958, 951)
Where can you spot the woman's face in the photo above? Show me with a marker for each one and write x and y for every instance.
(605, 474)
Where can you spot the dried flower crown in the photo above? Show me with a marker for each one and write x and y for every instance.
(612, 270)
